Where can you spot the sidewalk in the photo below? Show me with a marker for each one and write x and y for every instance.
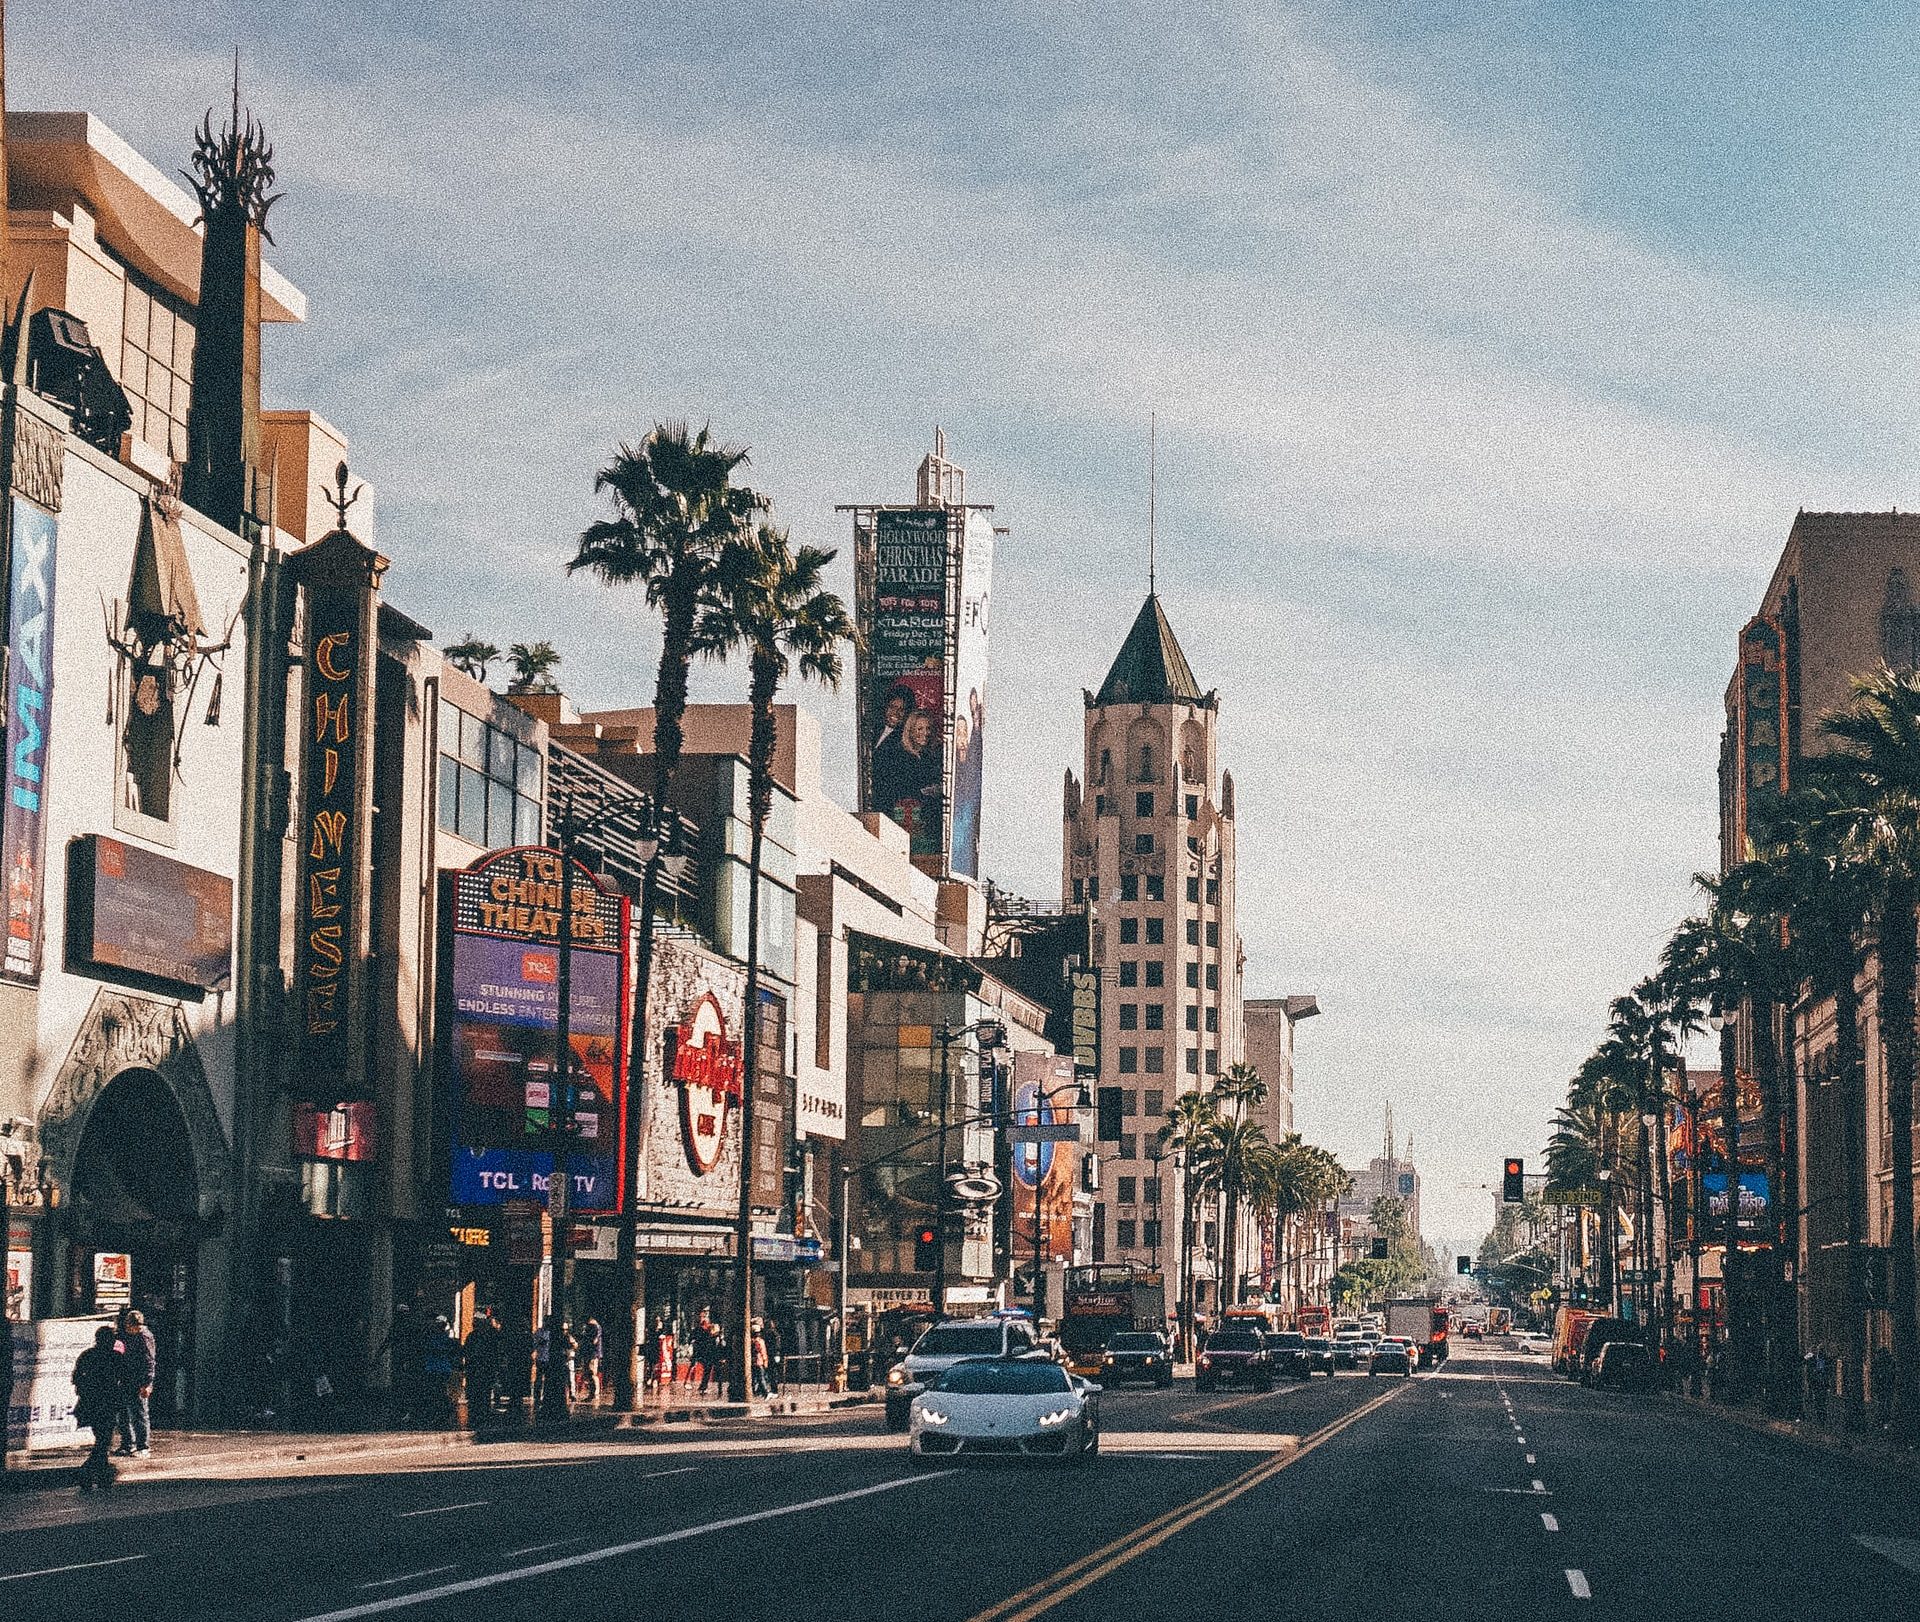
(190, 1453)
(1871, 1448)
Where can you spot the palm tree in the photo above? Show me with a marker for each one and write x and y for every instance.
(769, 600)
(1235, 1159)
(1241, 1089)
(1870, 788)
(533, 666)
(471, 655)
(675, 507)
(1189, 1122)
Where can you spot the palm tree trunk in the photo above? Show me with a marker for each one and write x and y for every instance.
(1665, 1174)
(1897, 1015)
(1766, 1075)
(1730, 1164)
(1792, 1217)
(1853, 1133)
(762, 684)
(669, 707)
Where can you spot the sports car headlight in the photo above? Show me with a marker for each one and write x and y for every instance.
(932, 1416)
(1058, 1417)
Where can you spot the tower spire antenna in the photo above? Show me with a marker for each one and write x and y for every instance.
(236, 90)
(1153, 496)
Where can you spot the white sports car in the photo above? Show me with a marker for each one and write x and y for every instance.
(1024, 1407)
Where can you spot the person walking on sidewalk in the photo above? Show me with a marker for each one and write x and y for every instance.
(483, 1365)
(761, 1357)
(99, 1391)
(706, 1348)
(137, 1360)
(593, 1349)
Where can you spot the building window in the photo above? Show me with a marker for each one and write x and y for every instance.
(1126, 1225)
(1129, 1016)
(1213, 892)
(1129, 971)
(1193, 975)
(1143, 844)
(1099, 1231)
(1129, 887)
(1129, 1190)
(1143, 803)
(1213, 934)
(1099, 805)
(1213, 976)
(1193, 1018)
(1156, 932)
(1156, 972)
(490, 784)
(1150, 1233)
(1129, 1060)
(147, 740)
(1146, 763)
(1156, 887)
(1129, 931)
(1079, 890)
(1093, 889)
(1106, 765)
(1211, 1236)
(1129, 1146)
(1193, 931)
(1193, 891)
(1156, 1062)
(1150, 1190)
(1193, 807)
(156, 364)
(1193, 1061)
(1156, 1016)
(1213, 1062)
(1129, 1102)
(1156, 1103)
(1213, 1019)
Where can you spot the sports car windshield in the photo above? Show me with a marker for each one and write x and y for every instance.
(1004, 1379)
(1136, 1343)
(983, 1342)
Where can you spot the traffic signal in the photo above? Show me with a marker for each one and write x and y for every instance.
(1379, 1251)
(926, 1248)
(1463, 1264)
(1513, 1182)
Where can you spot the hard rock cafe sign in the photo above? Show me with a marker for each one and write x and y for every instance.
(706, 1068)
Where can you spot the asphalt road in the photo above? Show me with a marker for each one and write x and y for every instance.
(1489, 1483)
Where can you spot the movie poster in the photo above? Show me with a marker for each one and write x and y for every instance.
(23, 838)
(1044, 1094)
(904, 695)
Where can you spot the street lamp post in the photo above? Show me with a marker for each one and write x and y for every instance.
(1609, 1234)
(1159, 1154)
(992, 1034)
(1045, 1096)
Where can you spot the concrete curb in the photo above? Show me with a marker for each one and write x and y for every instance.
(1866, 1450)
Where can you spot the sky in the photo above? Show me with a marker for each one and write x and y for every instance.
(1493, 349)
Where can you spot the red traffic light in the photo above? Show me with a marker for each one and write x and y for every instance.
(1513, 1168)
(925, 1236)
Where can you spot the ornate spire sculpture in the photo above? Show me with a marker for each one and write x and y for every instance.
(233, 178)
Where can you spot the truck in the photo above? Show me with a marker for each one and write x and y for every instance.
(1499, 1320)
(1316, 1321)
(1422, 1320)
(1569, 1336)
(1104, 1300)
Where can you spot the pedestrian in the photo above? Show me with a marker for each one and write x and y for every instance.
(712, 1366)
(138, 1356)
(483, 1365)
(99, 1393)
(1819, 1381)
(665, 1352)
(776, 1355)
(706, 1344)
(593, 1350)
(760, 1358)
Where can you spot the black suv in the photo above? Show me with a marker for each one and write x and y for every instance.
(1288, 1349)
(1137, 1356)
(1234, 1357)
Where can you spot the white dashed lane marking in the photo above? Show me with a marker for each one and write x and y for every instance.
(1549, 1522)
(407, 1577)
(443, 1509)
(82, 1565)
(1577, 1581)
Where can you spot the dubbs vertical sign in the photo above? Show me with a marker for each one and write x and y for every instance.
(331, 718)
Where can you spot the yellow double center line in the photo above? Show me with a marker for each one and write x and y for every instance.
(1089, 1569)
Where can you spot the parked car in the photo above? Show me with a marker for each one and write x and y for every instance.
(1234, 1357)
(1023, 1407)
(1391, 1357)
(1625, 1365)
(1288, 1350)
(944, 1345)
(1319, 1355)
(1601, 1333)
(1145, 1356)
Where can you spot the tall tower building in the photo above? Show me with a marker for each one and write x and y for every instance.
(1148, 847)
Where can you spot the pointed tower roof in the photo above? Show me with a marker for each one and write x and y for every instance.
(1150, 668)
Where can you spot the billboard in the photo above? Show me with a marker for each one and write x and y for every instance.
(140, 912)
(970, 692)
(690, 1143)
(1044, 1089)
(904, 595)
(1763, 742)
(23, 837)
(504, 987)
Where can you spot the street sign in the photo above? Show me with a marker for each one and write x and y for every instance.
(1045, 1132)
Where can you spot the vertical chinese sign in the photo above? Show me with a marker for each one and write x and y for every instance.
(340, 579)
(34, 463)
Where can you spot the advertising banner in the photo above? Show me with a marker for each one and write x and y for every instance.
(1043, 1173)
(23, 835)
(505, 992)
(690, 1155)
(1086, 1021)
(40, 1411)
(133, 909)
(970, 693)
(903, 597)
